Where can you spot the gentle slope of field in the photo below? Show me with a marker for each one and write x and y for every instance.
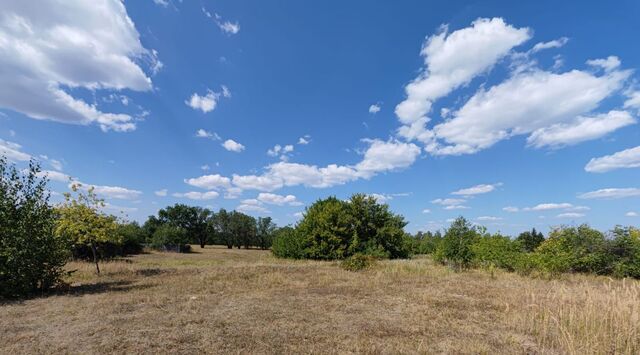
(245, 301)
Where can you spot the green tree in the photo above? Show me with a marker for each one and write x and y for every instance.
(149, 227)
(287, 244)
(243, 228)
(625, 249)
(455, 248)
(336, 229)
(132, 237)
(168, 237)
(221, 226)
(81, 221)
(32, 257)
(530, 240)
(326, 230)
(375, 230)
(265, 229)
(192, 219)
(574, 249)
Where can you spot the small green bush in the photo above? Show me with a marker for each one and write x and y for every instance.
(358, 262)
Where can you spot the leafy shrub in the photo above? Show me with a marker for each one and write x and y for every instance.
(170, 238)
(574, 249)
(625, 248)
(335, 229)
(358, 262)
(32, 257)
(132, 238)
(455, 248)
(496, 250)
(287, 244)
(525, 264)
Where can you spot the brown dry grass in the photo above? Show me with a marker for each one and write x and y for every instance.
(237, 301)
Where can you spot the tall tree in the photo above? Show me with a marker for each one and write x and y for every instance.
(265, 230)
(221, 225)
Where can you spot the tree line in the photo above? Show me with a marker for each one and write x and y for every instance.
(181, 225)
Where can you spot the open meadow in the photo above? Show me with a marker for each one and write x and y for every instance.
(217, 300)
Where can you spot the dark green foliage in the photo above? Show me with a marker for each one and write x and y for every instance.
(529, 241)
(193, 220)
(336, 229)
(149, 228)
(132, 237)
(220, 225)
(625, 249)
(203, 226)
(31, 256)
(265, 230)
(496, 250)
(375, 229)
(171, 238)
(455, 249)
(358, 262)
(287, 244)
(243, 229)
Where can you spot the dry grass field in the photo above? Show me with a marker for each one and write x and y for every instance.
(245, 301)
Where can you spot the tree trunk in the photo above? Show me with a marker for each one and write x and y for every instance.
(95, 256)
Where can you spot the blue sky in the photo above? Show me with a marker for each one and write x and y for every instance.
(515, 115)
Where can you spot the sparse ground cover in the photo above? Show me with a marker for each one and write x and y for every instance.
(217, 300)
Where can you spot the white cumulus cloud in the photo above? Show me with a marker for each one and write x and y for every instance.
(628, 158)
(232, 146)
(48, 48)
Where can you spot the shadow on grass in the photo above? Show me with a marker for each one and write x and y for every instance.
(95, 288)
(76, 290)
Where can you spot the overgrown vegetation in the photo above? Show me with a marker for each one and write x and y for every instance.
(335, 229)
(32, 257)
(580, 249)
(181, 225)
